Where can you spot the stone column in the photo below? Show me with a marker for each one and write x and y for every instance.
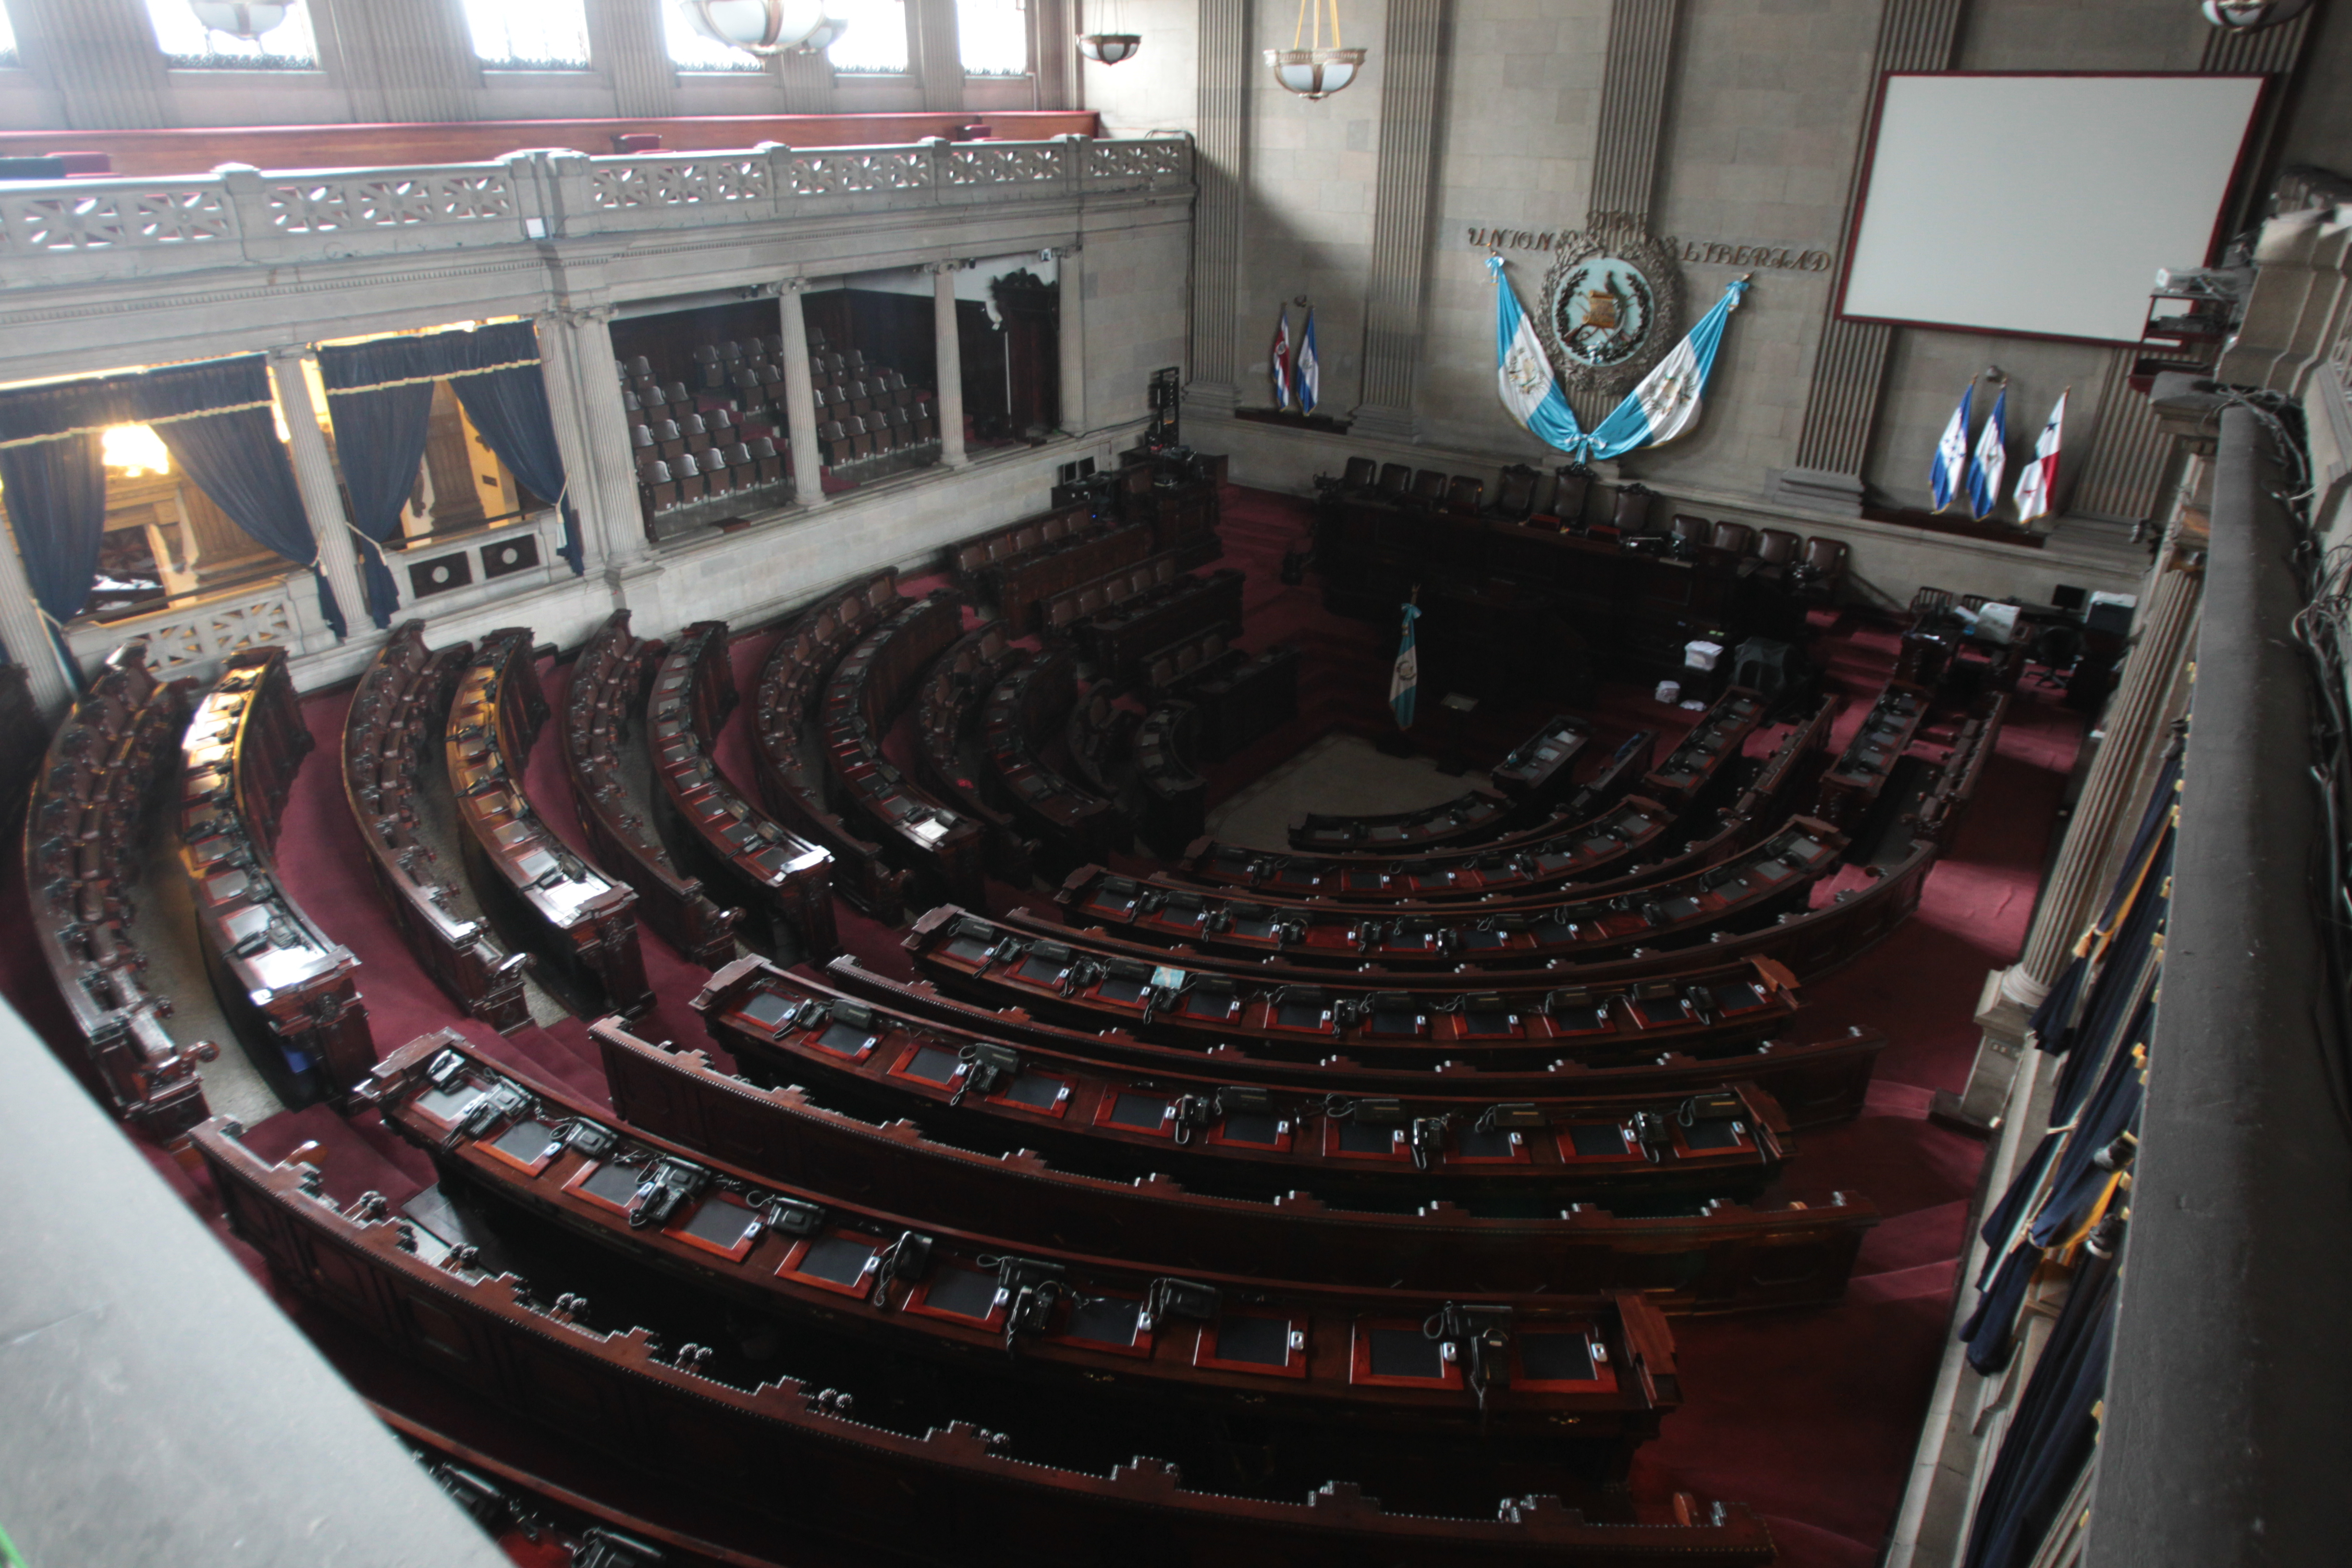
(939, 52)
(1632, 112)
(950, 346)
(100, 56)
(314, 476)
(1411, 61)
(1220, 168)
(409, 62)
(807, 82)
(1849, 363)
(2135, 728)
(575, 357)
(1070, 336)
(800, 395)
(25, 632)
(1054, 52)
(631, 45)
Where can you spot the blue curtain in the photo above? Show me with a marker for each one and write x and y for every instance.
(55, 491)
(214, 417)
(509, 408)
(380, 398)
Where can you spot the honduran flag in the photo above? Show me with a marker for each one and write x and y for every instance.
(1404, 683)
(1990, 463)
(2037, 483)
(1281, 360)
(1951, 465)
(1310, 369)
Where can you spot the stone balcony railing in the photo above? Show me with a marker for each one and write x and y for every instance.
(82, 231)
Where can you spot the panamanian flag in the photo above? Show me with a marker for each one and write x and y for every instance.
(1990, 462)
(1951, 465)
(2037, 483)
(1281, 360)
(1310, 369)
(1404, 683)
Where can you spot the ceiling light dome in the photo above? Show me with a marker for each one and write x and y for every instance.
(755, 27)
(246, 19)
(2250, 16)
(1314, 71)
(1109, 48)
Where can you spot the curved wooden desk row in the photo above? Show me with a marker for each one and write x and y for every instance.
(608, 682)
(1940, 815)
(1121, 638)
(1788, 769)
(1538, 771)
(1703, 763)
(286, 986)
(1071, 826)
(1732, 895)
(1540, 768)
(1857, 779)
(1240, 697)
(773, 1023)
(1497, 1046)
(1098, 736)
(792, 774)
(1021, 585)
(1085, 1329)
(83, 829)
(620, 1391)
(947, 710)
(401, 708)
(1563, 847)
(1065, 611)
(785, 876)
(1172, 797)
(868, 689)
(977, 559)
(574, 916)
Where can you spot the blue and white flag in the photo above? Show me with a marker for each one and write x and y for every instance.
(1666, 405)
(1945, 476)
(1405, 684)
(1310, 369)
(1281, 360)
(1990, 463)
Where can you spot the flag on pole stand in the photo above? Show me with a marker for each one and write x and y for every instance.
(1951, 465)
(1310, 369)
(1281, 360)
(2037, 483)
(1990, 461)
(1405, 684)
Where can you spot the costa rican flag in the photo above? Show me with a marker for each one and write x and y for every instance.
(1310, 369)
(1951, 465)
(2037, 483)
(1991, 460)
(1404, 683)
(1281, 357)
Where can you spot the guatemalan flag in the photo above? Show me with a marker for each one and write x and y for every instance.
(2038, 480)
(1310, 369)
(1281, 360)
(1404, 685)
(1951, 465)
(1523, 370)
(1991, 460)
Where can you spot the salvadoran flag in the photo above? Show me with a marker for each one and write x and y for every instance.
(1945, 476)
(1667, 402)
(1523, 370)
(2037, 483)
(1310, 369)
(1991, 460)
(1282, 360)
(1404, 682)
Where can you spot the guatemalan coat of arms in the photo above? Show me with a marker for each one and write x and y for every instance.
(1611, 304)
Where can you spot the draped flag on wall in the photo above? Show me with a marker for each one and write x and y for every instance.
(2037, 483)
(1990, 462)
(1666, 404)
(1310, 369)
(1951, 465)
(1281, 359)
(1405, 684)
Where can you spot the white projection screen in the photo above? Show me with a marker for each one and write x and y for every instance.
(2041, 205)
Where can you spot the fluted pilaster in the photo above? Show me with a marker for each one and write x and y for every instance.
(1220, 165)
(1412, 60)
(100, 56)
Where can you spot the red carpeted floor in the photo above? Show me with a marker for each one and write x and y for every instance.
(1810, 1418)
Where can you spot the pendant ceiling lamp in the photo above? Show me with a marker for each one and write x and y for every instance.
(756, 26)
(828, 32)
(1110, 45)
(1315, 71)
(2250, 16)
(246, 19)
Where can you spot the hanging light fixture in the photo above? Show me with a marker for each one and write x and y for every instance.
(1314, 72)
(1110, 47)
(2252, 16)
(246, 19)
(828, 32)
(756, 26)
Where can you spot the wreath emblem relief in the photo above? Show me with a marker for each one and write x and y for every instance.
(1611, 304)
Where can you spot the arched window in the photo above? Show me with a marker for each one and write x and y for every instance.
(529, 35)
(993, 36)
